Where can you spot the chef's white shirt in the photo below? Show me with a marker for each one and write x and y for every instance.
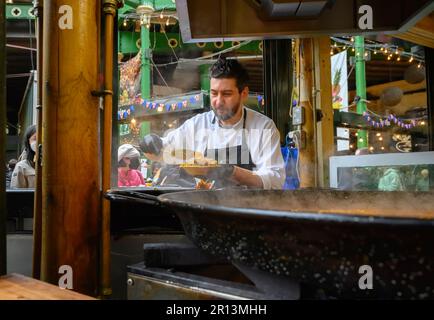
(204, 131)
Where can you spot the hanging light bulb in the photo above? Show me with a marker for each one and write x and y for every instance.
(389, 57)
(375, 51)
(345, 47)
(381, 49)
(168, 21)
(331, 52)
(361, 140)
(352, 49)
(366, 54)
(371, 148)
(419, 65)
(399, 58)
(161, 16)
(411, 59)
(148, 26)
(396, 52)
(352, 39)
(125, 23)
(335, 45)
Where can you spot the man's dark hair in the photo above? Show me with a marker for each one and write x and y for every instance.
(230, 69)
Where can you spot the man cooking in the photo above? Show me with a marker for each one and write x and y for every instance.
(245, 143)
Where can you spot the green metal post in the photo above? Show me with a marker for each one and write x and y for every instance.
(146, 81)
(2, 140)
(359, 41)
(205, 81)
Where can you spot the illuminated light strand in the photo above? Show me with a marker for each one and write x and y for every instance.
(392, 119)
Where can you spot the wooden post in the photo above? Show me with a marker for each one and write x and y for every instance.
(37, 208)
(71, 187)
(323, 98)
(109, 7)
(307, 154)
(2, 139)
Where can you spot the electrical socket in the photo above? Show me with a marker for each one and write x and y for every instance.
(298, 116)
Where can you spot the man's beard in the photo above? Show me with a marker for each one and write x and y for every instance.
(228, 114)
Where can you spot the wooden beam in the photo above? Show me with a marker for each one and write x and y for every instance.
(307, 154)
(402, 84)
(323, 102)
(71, 186)
(422, 33)
(409, 101)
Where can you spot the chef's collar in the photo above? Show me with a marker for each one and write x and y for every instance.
(215, 120)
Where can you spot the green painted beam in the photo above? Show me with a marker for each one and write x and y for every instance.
(19, 11)
(128, 44)
(359, 42)
(164, 5)
(158, 4)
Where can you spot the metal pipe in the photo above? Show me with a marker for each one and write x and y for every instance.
(109, 7)
(2, 139)
(146, 54)
(20, 47)
(359, 41)
(37, 207)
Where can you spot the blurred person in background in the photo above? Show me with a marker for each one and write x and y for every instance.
(24, 174)
(128, 161)
(9, 170)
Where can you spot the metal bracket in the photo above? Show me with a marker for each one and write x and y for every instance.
(101, 93)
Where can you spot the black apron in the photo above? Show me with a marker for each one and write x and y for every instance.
(228, 151)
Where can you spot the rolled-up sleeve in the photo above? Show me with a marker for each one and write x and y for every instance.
(267, 156)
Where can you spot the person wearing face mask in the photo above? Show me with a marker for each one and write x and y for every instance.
(128, 161)
(23, 175)
(245, 143)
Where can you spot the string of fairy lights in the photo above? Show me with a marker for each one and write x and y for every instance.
(164, 18)
(390, 51)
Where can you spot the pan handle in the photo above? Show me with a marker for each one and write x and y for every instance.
(135, 197)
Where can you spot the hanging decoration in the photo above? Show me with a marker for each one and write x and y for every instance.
(143, 107)
(390, 120)
(129, 81)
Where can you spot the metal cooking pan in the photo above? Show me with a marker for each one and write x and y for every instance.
(138, 209)
(319, 238)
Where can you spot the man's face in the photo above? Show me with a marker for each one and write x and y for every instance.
(226, 100)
